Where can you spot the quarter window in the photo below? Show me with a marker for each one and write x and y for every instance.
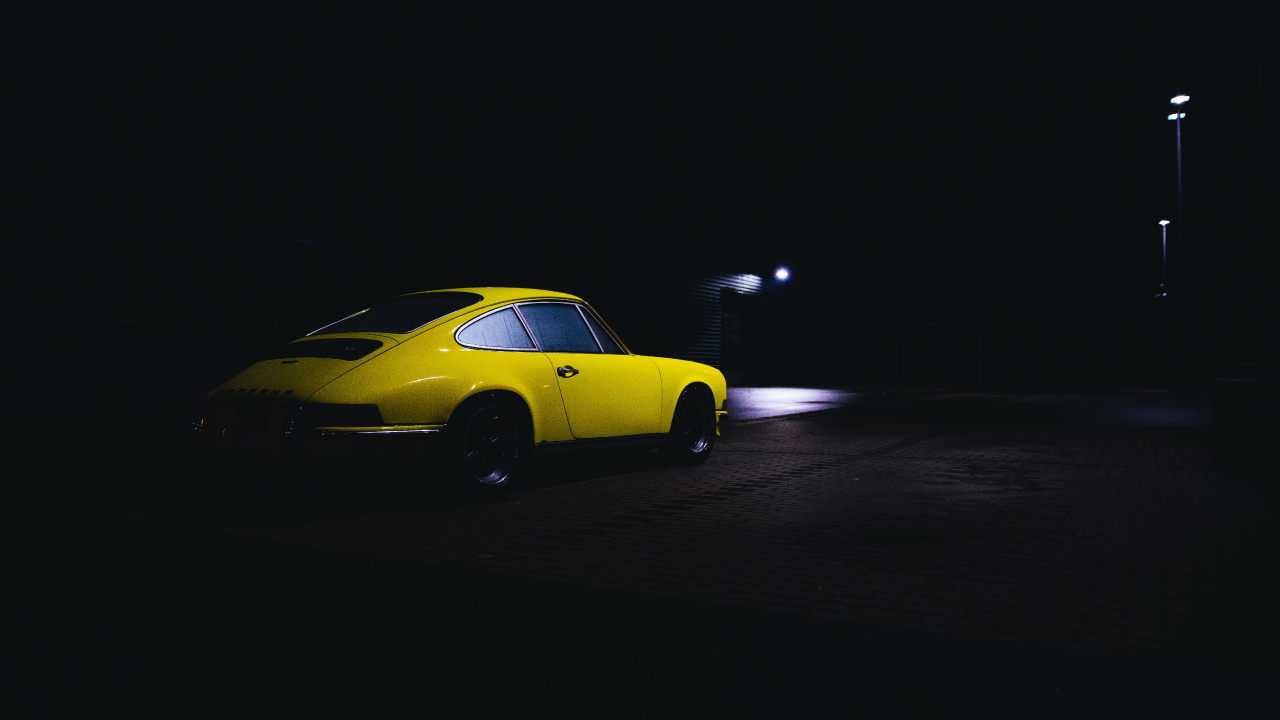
(559, 328)
(496, 330)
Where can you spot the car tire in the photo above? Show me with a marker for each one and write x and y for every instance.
(693, 429)
(487, 444)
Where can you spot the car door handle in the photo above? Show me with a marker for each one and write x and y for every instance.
(567, 371)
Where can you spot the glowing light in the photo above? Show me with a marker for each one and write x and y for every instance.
(1175, 116)
(1164, 222)
(1179, 99)
(748, 283)
(782, 273)
(763, 402)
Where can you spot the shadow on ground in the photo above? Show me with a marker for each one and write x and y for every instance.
(229, 492)
(197, 620)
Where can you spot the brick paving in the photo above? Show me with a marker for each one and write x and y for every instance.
(1106, 539)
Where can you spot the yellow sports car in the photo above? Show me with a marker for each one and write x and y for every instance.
(484, 376)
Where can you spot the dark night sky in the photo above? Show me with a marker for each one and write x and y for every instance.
(933, 161)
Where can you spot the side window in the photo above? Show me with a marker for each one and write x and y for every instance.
(496, 330)
(559, 328)
(607, 342)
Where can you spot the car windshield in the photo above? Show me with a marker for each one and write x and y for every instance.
(402, 314)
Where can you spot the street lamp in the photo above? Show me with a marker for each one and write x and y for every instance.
(1176, 117)
(1177, 121)
(1164, 258)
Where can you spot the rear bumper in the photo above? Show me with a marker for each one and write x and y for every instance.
(389, 442)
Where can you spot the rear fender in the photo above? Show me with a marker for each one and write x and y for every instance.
(422, 384)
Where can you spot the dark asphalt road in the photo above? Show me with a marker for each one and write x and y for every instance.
(615, 586)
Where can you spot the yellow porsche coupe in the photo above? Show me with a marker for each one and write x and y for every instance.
(484, 377)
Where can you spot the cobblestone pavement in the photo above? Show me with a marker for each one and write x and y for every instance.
(1097, 537)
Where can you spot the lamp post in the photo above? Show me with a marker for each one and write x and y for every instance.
(1183, 362)
(1176, 117)
(1164, 258)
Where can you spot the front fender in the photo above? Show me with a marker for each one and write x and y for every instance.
(680, 374)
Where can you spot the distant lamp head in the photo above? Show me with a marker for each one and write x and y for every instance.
(782, 273)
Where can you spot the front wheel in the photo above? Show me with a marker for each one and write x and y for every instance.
(487, 444)
(693, 429)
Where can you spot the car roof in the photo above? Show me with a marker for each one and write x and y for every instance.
(505, 294)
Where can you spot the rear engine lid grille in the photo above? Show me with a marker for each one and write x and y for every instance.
(332, 348)
(255, 392)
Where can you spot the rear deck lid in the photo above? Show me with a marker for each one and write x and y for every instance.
(295, 371)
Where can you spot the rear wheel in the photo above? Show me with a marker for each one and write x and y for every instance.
(487, 444)
(693, 428)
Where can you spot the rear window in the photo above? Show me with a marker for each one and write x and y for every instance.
(403, 314)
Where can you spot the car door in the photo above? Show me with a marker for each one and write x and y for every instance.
(606, 391)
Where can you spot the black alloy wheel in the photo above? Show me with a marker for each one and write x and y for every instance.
(693, 428)
(490, 445)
